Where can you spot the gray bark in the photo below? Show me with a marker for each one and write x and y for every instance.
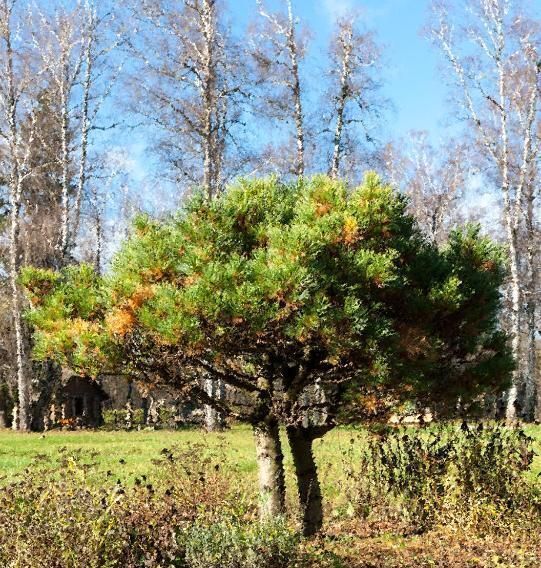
(308, 486)
(270, 461)
(214, 420)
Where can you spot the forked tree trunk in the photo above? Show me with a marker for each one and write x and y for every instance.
(308, 486)
(270, 462)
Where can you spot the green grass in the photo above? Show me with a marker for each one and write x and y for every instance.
(136, 449)
(139, 448)
(131, 454)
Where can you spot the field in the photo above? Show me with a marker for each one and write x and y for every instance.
(138, 449)
(131, 454)
(346, 542)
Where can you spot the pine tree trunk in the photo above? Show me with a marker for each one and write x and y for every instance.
(308, 486)
(270, 461)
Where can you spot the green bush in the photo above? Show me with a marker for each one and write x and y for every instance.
(471, 475)
(115, 419)
(237, 545)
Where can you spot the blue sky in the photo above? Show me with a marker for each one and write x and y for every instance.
(412, 79)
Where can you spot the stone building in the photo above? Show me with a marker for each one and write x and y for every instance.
(73, 401)
(78, 402)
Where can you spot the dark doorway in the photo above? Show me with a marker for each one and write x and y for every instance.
(79, 406)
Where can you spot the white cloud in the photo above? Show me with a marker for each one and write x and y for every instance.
(337, 8)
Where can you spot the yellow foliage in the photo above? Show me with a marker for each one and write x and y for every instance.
(191, 280)
(488, 266)
(370, 403)
(120, 321)
(140, 296)
(350, 232)
(322, 209)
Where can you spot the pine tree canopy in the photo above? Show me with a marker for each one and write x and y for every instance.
(276, 286)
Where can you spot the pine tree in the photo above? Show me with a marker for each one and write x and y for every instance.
(278, 290)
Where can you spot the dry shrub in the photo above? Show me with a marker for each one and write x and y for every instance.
(451, 475)
(69, 514)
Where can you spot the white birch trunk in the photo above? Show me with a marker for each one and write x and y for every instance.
(296, 90)
(65, 161)
(85, 120)
(513, 117)
(513, 218)
(15, 195)
(23, 386)
(344, 76)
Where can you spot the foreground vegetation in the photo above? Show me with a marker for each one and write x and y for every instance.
(438, 497)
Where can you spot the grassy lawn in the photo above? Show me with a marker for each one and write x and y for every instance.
(136, 449)
(129, 454)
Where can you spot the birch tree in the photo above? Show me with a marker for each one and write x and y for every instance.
(192, 92)
(433, 178)
(484, 43)
(107, 187)
(62, 55)
(75, 46)
(15, 101)
(354, 92)
(53, 82)
(42, 192)
(277, 50)
(188, 85)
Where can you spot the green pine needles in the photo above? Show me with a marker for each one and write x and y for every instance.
(314, 304)
(290, 269)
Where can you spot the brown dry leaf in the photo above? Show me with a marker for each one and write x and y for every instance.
(120, 321)
(350, 232)
(322, 209)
